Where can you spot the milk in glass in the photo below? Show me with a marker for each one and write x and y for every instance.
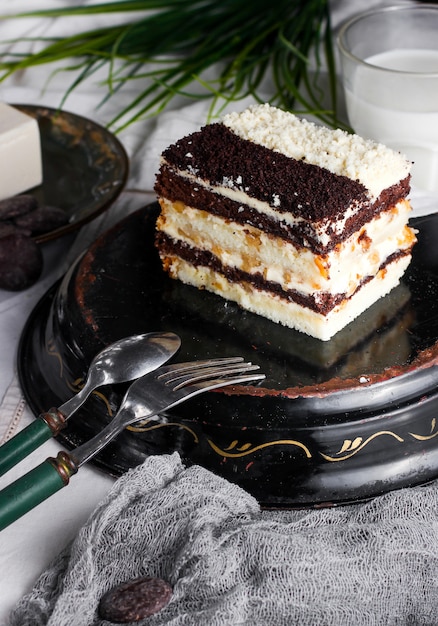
(403, 118)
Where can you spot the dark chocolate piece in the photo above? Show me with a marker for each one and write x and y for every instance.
(21, 262)
(17, 205)
(134, 600)
(42, 219)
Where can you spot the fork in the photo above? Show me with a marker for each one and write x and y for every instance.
(148, 396)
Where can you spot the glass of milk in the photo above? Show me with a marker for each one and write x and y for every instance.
(389, 61)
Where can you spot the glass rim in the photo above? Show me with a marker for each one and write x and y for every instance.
(431, 7)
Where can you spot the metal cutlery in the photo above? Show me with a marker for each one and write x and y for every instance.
(148, 396)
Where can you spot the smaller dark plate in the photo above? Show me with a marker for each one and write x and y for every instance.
(85, 167)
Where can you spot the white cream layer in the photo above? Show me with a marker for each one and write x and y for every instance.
(288, 313)
(248, 249)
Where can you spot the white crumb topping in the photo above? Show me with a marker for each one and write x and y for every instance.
(276, 200)
(372, 164)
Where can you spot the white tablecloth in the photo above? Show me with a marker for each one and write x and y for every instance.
(27, 547)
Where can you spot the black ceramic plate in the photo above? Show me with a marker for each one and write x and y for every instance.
(85, 167)
(334, 422)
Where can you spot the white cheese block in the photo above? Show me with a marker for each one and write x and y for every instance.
(20, 152)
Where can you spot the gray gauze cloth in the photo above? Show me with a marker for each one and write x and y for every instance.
(231, 563)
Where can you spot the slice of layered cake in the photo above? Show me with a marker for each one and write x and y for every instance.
(293, 221)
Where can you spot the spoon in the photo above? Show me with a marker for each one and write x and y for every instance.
(122, 361)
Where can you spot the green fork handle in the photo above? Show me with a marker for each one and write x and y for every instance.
(46, 426)
(34, 487)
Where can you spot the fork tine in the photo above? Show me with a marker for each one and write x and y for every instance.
(202, 386)
(206, 385)
(209, 373)
(189, 366)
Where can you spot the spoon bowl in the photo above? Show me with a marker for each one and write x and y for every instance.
(124, 360)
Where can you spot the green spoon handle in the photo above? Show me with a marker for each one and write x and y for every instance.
(34, 487)
(30, 438)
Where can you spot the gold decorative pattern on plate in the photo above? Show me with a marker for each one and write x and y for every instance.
(51, 351)
(433, 432)
(351, 447)
(148, 425)
(248, 448)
